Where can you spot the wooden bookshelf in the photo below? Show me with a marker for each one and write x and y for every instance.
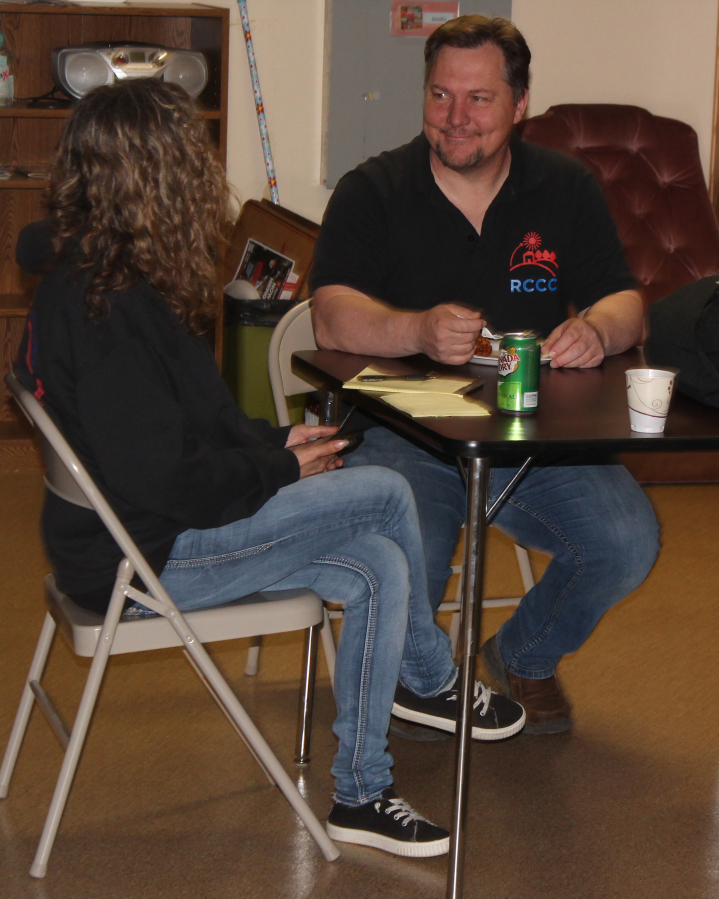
(28, 136)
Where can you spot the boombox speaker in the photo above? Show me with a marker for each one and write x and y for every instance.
(77, 70)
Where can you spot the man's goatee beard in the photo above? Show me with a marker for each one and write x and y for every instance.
(473, 162)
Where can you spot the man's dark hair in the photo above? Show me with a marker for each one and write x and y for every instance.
(470, 32)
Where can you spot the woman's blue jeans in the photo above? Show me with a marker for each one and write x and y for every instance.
(352, 537)
(593, 520)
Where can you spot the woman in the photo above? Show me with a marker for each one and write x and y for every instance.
(221, 505)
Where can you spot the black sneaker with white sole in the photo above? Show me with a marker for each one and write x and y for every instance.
(494, 717)
(388, 823)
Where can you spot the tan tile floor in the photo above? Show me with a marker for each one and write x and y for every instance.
(167, 802)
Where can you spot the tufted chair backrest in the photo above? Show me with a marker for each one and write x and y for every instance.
(649, 170)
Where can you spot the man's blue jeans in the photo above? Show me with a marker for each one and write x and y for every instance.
(593, 520)
(352, 537)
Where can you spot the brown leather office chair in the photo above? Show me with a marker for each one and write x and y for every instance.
(649, 170)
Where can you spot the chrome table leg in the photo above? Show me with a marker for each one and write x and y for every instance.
(471, 618)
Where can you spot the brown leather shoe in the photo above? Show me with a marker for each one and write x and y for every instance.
(548, 709)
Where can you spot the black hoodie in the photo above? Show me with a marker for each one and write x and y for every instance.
(143, 405)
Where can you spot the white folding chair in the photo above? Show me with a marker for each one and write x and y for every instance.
(91, 635)
(292, 334)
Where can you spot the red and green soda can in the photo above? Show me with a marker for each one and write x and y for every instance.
(518, 373)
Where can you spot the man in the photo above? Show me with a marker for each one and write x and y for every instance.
(467, 225)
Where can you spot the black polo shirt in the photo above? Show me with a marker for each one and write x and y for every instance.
(547, 239)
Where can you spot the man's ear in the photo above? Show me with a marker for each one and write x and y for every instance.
(521, 107)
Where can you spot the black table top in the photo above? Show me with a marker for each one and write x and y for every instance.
(578, 409)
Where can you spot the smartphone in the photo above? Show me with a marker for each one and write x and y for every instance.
(343, 425)
(355, 438)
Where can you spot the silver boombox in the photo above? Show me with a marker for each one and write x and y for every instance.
(77, 70)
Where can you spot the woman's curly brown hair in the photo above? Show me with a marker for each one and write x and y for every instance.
(138, 180)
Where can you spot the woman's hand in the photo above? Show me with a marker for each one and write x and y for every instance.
(315, 456)
(303, 433)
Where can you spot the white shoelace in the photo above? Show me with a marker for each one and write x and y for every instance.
(402, 810)
(482, 694)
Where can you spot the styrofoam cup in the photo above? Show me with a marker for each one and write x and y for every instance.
(649, 392)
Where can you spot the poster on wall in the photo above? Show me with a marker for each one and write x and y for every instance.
(421, 18)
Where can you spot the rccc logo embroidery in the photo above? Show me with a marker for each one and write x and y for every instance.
(529, 252)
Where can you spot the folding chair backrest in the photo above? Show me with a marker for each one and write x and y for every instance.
(293, 333)
(67, 477)
(57, 477)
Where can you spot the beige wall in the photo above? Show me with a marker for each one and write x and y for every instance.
(653, 53)
(617, 51)
(288, 37)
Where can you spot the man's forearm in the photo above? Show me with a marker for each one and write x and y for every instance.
(356, 323)
(618, 319)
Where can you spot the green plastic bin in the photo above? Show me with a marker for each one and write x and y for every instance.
(246, 373)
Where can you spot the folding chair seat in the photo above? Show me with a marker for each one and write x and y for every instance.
(91, 635)
(292, 334)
